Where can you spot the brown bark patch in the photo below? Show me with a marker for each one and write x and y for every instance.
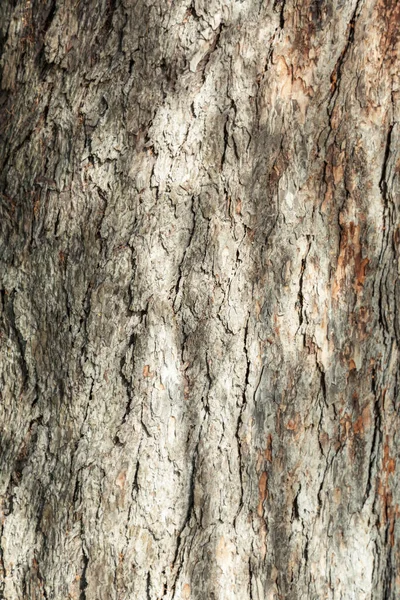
(350, 258)
(388, 12)
(120, 481)
(268, 449)
(363, 423)
(186, 592)
(352, 365)
(389, 463)
(147, 372)
(263, 492)
(360, 268)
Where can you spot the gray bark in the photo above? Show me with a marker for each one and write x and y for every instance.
(199, 231)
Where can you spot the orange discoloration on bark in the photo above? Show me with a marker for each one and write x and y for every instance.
(324, 439)
(277, 328)
(337, 495)
(389, 463)
(147, 372)
(338, 173)
(338, 167)
(121, 479)
(294, 424)
(358, 426)
(346, 427)
(350, 256)
(328, 196)
(263, 492)
(360, 268)
(388, 12)
(225, 552)
(389, 512)
(366, 418)
(292, 85)
(352, 365)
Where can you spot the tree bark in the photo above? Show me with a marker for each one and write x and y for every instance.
(199, 248)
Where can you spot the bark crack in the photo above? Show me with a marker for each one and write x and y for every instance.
(383, 186)
(190, 510)
(21, 343)
(240, 419)
(251, 597)
(148, 586)
(83, 583)
(126, 382)
(336, 74)
(2, 565)
(300, 295)
(281, 10)
(176, 305)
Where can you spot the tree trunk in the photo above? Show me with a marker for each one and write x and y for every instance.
(200, 300)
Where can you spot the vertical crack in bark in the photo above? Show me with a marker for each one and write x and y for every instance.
(281, 10)
(381, 280)
(111, 8)
(193, 11)
(21, 343)
(103, 197)
(83, 584)
(300, 296)
(336, 74)
(202, 66)
(323, 383)
(295, 506)
(42, 582)
(190, 510)
(377, 435)
(49, 17)
(240, 418)
(176, 304)
(389, 576)
(251, 597)
(227, 134)
(2, 565)
(383, 185)
(321, 485)
(126, 382)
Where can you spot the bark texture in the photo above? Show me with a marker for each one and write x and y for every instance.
(199, 246)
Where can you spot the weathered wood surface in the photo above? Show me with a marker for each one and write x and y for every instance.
(199, 245)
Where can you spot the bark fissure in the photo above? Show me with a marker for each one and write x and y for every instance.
(336, 75)
(180, 545)
(83, 583)
(300, 296)
(240, 420)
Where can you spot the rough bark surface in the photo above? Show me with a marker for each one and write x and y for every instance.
(199, 246)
